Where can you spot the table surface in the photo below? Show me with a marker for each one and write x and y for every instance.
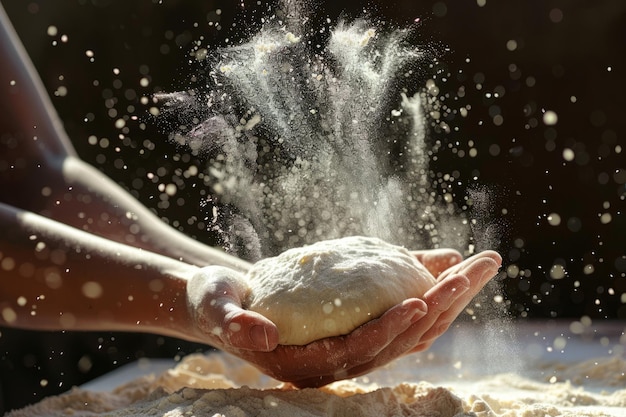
(525, 348)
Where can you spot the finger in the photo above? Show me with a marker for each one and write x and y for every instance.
(479, 269)
(486, 258)
(446, 292)
(382, 331)
(439, 299)
(477, 273)
(438, 260)
(216, 295)
(249, 330)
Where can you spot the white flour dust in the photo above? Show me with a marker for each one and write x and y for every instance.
(318, 133)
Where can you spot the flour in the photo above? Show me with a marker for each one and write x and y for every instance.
(332, 287)
(219, 384)
(611, 372)
(212, 394)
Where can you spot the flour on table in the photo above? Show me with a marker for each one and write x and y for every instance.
(332, 287)
(221, 385)
(196, 387)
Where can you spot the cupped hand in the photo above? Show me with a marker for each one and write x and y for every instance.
(410, 326)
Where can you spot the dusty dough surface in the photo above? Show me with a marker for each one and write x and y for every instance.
(333, 286)
(221, 385)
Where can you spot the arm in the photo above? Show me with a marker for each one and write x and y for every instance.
(56, 277)
(25, 105)
(40, 172)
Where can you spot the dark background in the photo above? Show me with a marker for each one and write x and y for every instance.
(510, 61)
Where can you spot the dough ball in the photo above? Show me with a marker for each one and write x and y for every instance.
(332, 287)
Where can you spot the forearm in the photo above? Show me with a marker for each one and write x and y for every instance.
(56, 277)
(108, 210)
(36, 118)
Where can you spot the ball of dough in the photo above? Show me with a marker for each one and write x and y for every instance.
(332, 287)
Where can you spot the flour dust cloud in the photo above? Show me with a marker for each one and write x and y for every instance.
(318, 133)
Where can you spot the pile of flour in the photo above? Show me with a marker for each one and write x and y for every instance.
(221, 385)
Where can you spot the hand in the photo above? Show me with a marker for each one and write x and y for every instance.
(410, 326)
(479, 268)
(214, 297)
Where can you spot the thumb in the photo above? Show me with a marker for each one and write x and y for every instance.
(215, 297)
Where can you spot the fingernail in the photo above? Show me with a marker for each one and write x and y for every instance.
(258, 336)
(441, 329)
(417, 316)
(418, 313)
